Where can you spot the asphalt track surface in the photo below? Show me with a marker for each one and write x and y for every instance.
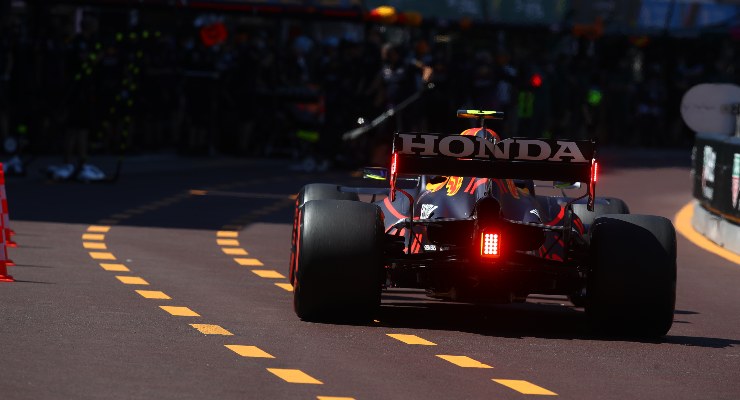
(134, 290)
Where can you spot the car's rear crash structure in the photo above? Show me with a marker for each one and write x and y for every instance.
(473, 229)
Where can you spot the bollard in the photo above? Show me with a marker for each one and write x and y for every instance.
(4, 277)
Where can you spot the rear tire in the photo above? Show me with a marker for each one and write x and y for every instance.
(632, 278)
(605, 205)
(323, 191)
(613, 205)
(339, 261)
(313, 191)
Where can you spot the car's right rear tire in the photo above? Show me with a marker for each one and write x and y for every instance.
(631, 287)
(603, 206)
(339, 260)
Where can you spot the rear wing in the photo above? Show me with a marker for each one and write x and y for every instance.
(514, 158)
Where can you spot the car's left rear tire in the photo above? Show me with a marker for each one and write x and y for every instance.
(339, 260)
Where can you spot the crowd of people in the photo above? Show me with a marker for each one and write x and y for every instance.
(282, 88)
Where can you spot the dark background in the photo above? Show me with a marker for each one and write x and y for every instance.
(278, 80)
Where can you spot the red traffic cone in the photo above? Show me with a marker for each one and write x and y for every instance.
(4, 277)
(5, 212)
(6, 220)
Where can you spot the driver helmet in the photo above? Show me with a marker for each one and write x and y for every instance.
(479, 132)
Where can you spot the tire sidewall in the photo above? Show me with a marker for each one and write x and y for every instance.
(632, 275)
(338, 274)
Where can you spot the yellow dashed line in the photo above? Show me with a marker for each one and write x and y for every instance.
(97, 228)
(411, 339)
(227, 234)
(234, 251)
(198, 192)
(94, 246)
(266, 273)
(294, 376)
(682, 221)
(249, 262)
(525, 387)
(153, 294)
(227, 242)
(97, 255)
(93, 236)
(114, 267)
(464, 361)
(180, 311)
(285, 286)
(132, 280)
(249, 351)
(207, 329)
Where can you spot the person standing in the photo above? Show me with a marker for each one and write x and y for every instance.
(80, 100)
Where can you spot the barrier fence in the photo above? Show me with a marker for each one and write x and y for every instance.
(716, 174)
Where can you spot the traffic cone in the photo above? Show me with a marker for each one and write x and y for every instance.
(4, 277)
(6, 220)
(6, 214)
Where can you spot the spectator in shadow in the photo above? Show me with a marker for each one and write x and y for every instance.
(81, 106)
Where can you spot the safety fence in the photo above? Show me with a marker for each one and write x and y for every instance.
(716, 175)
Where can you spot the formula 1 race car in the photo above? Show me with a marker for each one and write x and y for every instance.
(461, 219)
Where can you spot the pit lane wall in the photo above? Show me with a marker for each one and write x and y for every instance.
(716, 176)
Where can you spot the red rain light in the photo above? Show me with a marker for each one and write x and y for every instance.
(394, 165)
(490, 245)
(394, 169)
(592, 184)
(594, 172)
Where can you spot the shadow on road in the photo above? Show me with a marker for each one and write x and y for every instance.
(707, 342)
(207, 198)
(513, 321)
(43, 283)
(33, 266)
(531, 319)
